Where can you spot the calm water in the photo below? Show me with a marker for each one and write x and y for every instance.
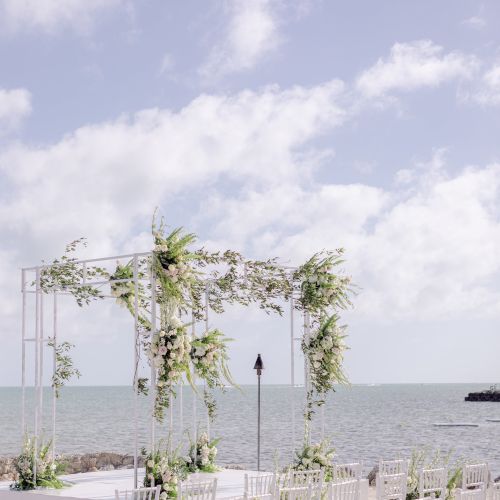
(364, 422)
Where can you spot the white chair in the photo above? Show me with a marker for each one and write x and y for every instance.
(200, 490)
(343, 490)
(432, 482)
(150, 493)
(343, 472)
(297, 493)
(495, 491)
(261, 486)
(475, 476)
(477, 494)
(306, 478)
(392, 486)
(391, 467)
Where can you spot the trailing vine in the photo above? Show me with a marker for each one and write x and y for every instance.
(65, 369)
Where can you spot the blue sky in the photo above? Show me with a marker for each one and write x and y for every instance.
(277, 128)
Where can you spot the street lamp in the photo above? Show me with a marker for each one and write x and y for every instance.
(259, 366)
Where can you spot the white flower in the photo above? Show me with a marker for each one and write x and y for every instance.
(150, 463)
(162, 350)
(163, 495)
(175, 322)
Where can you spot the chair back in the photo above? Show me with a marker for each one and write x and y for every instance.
(200, 490)
(392, 486)
(476, 494)
(344, 472)
(495, 491)
(475, 476)
(150, 493)
(306, 477)
(343, 490)
(433, 482)
(297, 493)
(391, 467)
(261, 486)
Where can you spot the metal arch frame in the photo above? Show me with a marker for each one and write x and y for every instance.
(39, 339)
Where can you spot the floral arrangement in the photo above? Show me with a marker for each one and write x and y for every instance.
(46, 469)
(209, 357)
(320, 288)
(315, 457)
(165, 469)
(170, 354)
(324, 350)
(202, 454)
(65, 369)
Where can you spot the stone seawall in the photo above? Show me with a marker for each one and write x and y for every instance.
(87, 462)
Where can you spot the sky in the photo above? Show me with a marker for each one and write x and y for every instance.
(275, 128)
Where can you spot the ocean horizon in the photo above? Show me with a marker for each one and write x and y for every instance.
(365, 422)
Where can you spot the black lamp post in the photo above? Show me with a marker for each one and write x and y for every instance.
(259, 366)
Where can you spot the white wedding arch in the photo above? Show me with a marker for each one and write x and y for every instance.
(143, 280)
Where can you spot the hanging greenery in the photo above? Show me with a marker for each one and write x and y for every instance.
(66, 274)
(64, 370)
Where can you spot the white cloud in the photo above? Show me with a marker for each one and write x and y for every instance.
(477, 21)
(427, 251)
(252, 33)
(15, 105)
(100, 179)
(488, 92)
(167, 64)
(414, 65)
(49, 16)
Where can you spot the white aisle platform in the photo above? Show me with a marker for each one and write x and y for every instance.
(101, 485)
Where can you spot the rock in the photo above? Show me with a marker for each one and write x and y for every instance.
(372, 476)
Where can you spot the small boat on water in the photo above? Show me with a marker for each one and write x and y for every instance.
(493, 420)
(455, 424)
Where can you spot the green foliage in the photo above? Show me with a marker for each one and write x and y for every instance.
(66, 274)
(65, 369)
(142, 386)
(46, 469)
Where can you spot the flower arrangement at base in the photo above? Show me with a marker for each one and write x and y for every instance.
(315, 457)
(165, 469)
(46, 468)
(202, 454)
(324, 350)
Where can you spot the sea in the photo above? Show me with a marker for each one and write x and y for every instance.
(363, 422)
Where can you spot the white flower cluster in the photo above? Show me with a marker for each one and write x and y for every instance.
(176, 272)
(161, 248)
(315, 457)
(205, 452)
(161, 471)
(169, 352)
(325, 350)
(204, 353)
